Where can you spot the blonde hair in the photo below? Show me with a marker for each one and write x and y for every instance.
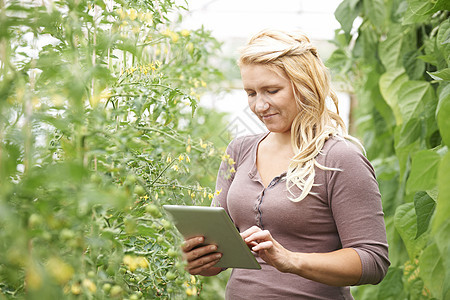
(293, 54)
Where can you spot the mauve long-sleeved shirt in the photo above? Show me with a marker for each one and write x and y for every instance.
(343, 210)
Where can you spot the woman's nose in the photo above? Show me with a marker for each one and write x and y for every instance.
(261, 104)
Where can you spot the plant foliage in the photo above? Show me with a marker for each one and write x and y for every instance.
(97, 132)
(397, 61)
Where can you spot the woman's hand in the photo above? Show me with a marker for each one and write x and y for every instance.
(262, 242)
(338, 268)
(200, 258)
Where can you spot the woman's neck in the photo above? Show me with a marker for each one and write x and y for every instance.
(280, 139)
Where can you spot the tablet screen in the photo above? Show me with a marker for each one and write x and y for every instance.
(216, 226)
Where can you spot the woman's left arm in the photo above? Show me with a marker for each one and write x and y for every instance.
(338, 268)
(355, 203)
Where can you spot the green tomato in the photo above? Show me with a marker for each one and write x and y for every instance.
(172, 253)
(35, 220)
(139, 190)
(180, 266)
(111, 270)
(171, 275)
(190, 47)
(160, 239)
(106, 287)
(116, 291)
(66, 234)
(153, 210)
(95, 178)
(122, 271)
(46, 236)
(130, 180)
(166, 224)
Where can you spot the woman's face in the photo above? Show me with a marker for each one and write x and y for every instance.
(270, 97)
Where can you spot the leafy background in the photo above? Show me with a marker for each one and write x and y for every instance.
(99, 126)
(396, 62)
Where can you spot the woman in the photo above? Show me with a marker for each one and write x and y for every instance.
(303, 196)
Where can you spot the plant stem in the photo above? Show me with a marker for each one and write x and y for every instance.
(168, 135)
(161, 173)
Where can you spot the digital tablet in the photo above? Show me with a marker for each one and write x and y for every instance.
(216, 226)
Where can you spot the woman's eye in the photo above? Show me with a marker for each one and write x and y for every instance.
(251, 94)
(273, 91)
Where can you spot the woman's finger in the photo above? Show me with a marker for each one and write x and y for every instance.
(197, 270)
(191, 243)
(267, 245)
(250, 231)
(263, 235)
(199, 252)
(204, 262)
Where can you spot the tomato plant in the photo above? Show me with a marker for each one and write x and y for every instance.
(98, 129)
(397, 61)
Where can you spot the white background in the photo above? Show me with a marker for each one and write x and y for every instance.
(234, 21)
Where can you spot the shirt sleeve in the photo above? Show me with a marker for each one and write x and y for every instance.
(226, 172)
(355, 201)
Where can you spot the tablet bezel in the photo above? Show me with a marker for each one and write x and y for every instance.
(216, 226)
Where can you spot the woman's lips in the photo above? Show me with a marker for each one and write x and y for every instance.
(268, 116)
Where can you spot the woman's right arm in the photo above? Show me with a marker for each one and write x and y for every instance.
(201, 259)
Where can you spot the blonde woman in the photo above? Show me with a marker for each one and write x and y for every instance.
(303, 196)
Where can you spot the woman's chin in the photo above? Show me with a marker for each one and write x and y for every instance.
(278, 130)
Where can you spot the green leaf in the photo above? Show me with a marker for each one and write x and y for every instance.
(431, 59)
(339, 60)
(418, 11)
(443, 45)
(390, 83)
(414, 67)
(410, 132)
(443, 114)
(346, 14)
(442, 239)
(441, 75)
(392, 285)
(423, 171)
(145, 230)
(405, 221)
(441, 5)
(443, 203)
(404, 155)
(420, 7)
(390, 50)
(443, 35)
(432, 270)
(413, 97)
(397, 254)
(424, 206)
(375, 11)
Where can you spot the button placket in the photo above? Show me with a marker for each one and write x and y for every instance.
(258, 204)
(258, 210)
